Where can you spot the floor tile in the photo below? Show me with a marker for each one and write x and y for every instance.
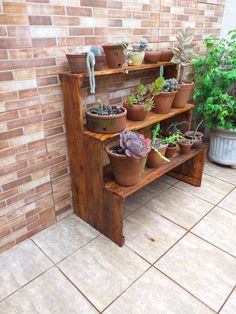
(168, 179)
(229, 203)
(154, 293)
(224, 173)
(102, 270)
(65, 237)
(130, 206)
(19, 265)
(205, 271)
(211, 190)
(230, 305)
(219, 228)
(51, 293)
(180, 207)
(143, 226)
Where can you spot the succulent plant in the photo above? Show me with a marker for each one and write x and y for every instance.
(142, 97)
(157, 86)
(141, 45)
(96, 50)
(106, 110)
(170, 85)
(135, 144)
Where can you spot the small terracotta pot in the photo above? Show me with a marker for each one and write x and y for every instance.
(152, 56)
(197, 140)
(183, 94)
(127, 171)
(77, 63)
(166, 54)
(100, 61)
(184, 147)
(106, 124)
(154, 160)
(163, 102)
(137, 57)
(114, 55)
(170, 151)
(135, 112)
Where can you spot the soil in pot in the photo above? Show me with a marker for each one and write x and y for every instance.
(135, 112)
(127, 171)
(137, 57)
(112, 122)
(163, 102)
(152, 56)
(100, 61)
(154, 159)
(166, 54)
(197, 139)
(170, 150)
(183, 94)
(77, 63)
(185, 146)
(114, 55)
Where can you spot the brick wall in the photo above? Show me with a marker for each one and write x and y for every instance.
(35, 36)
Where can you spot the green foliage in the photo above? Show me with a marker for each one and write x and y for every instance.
(172, 139)
(156, 133)
(173, 127)
(132, 100)
(157, 86)
(215, 77)
(141, 97)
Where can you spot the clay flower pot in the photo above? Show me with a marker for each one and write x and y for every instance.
(183, 94)
(197, 139)
(152, 56)
(185, 146)
(114, 55)
(135, 112)
(154, 160)
(163, 102)
(137, 57)
(106, 124)
(77, 63)
(166, 54)
(100, 61)
(126, 170)
(170, 150)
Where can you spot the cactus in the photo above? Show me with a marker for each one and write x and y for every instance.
(170, 85)
(96, 50)
(135, 144)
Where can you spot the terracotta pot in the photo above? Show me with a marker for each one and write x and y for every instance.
(135, 112)
(77, 63)
(106, 124)
(154, 160)
(100, 61)
(166, 54)
(183, 94)
(197, 140)
(114, 55)
(127, 171)
(170, 151)
(137, 57)
(184, 147)
(163, 102)
(152, 56)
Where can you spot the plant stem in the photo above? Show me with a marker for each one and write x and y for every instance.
(181, 73)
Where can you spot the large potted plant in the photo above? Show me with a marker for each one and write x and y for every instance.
(215, 96)
(183, 56)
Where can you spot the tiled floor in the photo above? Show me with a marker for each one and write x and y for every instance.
(179, 257)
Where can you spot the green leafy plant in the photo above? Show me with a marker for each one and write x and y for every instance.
(157, 141)
(157, 86)
(183, 51)
(142, 97)
(215, 77)
(172, 139)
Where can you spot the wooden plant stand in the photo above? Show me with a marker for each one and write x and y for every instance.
(97, 198)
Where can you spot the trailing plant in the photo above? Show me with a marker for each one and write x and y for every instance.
(142, 97)
(134, 144)
(105, 110)
(183, 51)
(90, 60)
(215, 77)
(170, 85)
(157, 141)
(96, 50)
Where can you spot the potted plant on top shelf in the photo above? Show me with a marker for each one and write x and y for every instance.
(99, 57)
(137, 51)
(184, 55)
(115, 54)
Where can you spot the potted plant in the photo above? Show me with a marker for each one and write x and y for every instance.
(171, 142)
(99, 57)
(195, 136)
(185, 146)
(151, 55)
(166, 54)
(173, 128)
(137, 52)
(77, 62)
(128, 157)
(164, 96)
(215, 96)
(106, 119)
(184, 56)
(156, 156)
(139, 104)
(115, 54)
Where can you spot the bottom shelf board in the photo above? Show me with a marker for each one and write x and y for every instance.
(149, 175)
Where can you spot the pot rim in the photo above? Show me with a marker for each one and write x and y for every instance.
(134, 105)
(167, 93)
(185, 144)
(94, 115)
(109, 152)
(111, 46)
(186, 83)
(199, 133)
(73, 55)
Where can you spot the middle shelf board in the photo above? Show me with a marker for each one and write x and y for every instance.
(149, 175)
(152, 118)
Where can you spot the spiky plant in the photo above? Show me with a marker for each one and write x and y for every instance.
(183, 51)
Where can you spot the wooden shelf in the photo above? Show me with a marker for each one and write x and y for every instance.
(148, 176)
(124, 70)
(152, 118)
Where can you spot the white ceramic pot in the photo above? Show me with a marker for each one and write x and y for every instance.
(223, 147)
(137, 57)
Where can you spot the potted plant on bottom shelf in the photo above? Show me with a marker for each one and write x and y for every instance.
(128, 157)
(171, 141)
(174, 128)
(106, 119)
(195, 136)
(184, 56)
(185, 146)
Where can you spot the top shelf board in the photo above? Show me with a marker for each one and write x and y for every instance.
(125, 70)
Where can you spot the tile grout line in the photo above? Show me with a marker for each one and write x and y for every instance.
(227, 299)
(213, 176)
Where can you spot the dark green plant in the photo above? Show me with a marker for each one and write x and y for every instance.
(215, 77)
